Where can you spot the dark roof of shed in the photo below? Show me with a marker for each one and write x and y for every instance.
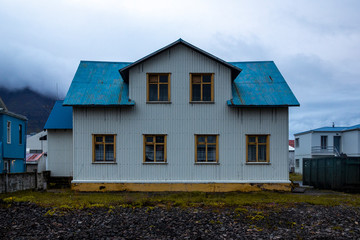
(260, 84)
(235, 70)
(60, 117)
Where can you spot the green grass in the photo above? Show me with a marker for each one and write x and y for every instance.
(75, 200)
(295, 177)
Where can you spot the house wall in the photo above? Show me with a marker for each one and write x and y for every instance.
(303, 151)
(351, 143)
(33, 142)
(316, 138)
(180, 120)
(60, 153)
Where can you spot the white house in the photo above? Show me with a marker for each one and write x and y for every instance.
(326, 141)
(60, 141)
(179, 119)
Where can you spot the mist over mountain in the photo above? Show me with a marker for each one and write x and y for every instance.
(36, 107)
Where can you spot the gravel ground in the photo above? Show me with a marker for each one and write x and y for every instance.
(28, 221)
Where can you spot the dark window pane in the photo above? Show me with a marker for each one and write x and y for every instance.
(163, 92)
(207, 78)
(159, 139)
(153, 95)
(206, 92)
(160, 157)
(196, 94)
(149, 139)
(153, 79)
(149, 153)
(251, 153)
(211, 139)
(99, 152)
(262, 139)
(211, 153)
(164, 78)
(252, 139)
(99, 139)
(201, 139)
(109, 139)
(109, 152)
(262, 153)
(201, 155)
(196, 78)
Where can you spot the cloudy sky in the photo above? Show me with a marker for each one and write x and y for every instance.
(315, 44)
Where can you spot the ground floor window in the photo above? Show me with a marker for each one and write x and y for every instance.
(154, 148)
(206, 149)
(297, 163)
(104, 148)
(257, 148)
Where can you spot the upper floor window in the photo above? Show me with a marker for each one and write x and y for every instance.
(154, 148)
(257, 149)
(201, 87)
(8, 131)
(104, 148)
(158, 87)
(324, 142)
(206, 149)
(297, 142)
(20, 134)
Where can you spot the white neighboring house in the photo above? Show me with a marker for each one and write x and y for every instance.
(34, 144)
(291, 159)
(60, 144)
(179, 119)
(326, 141)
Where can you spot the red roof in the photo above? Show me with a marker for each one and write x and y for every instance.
(33, 157)
(291, 143)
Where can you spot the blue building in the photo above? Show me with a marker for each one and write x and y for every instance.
(12, 141)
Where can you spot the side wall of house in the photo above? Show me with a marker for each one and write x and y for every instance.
(60, 153)
(303, 150)
(351, 143)
(180, 120)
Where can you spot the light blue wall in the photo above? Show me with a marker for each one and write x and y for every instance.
(14, 151)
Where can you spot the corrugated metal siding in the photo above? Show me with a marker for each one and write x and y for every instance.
(180, 120)
(60, 153)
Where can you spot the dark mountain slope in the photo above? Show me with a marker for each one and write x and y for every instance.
(34, 106)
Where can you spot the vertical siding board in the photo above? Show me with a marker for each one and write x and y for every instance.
(180, 120)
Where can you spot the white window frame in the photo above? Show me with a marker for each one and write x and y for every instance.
(8, 132)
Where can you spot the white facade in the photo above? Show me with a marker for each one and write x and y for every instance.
(310, 144)
(60, 153)
(180, 120)
(34, 143)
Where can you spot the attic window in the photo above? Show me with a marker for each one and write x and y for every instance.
(158, 87)
(8, 132)
(201, 87)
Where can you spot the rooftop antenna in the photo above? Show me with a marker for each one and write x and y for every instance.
(333, 124)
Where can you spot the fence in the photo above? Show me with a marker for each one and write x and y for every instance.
(12, 182)
(335, 173)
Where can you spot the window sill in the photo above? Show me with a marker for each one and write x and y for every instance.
(258, 163)
(104, 163)
(202, 102)
(207, 163)
(154, 163)
(158, 102)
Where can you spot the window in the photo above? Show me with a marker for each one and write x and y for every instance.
(104, 148)
(257, 149)
(206, 149)
(20, 134)
(154, 149)
(323, 142)
(158, 87)
(201, 87)
(297, 163)
(297, 142)
(8, 132)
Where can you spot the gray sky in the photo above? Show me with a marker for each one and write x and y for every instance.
(315, 44)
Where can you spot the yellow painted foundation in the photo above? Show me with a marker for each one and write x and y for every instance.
(180, 187)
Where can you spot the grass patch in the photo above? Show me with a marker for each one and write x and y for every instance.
(295, 177)
(75, 200)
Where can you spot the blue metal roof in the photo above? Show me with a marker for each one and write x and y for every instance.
(331, 129)
(260, 84)
(98, 84)
(60, 117)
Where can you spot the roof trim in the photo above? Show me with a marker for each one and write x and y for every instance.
(15, 115)
(234, 70)
(230, 103)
